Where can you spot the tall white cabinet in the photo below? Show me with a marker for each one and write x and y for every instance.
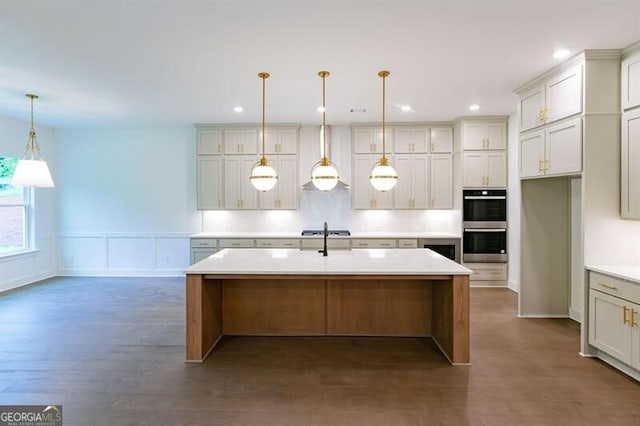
(630, 138)
(483, 145)
(225, 157)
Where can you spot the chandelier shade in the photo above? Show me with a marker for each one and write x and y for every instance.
(32, 170)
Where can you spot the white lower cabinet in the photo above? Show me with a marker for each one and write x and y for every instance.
(364, 196)
(488, 274)
(484, 169)
(201, 248)
(318, 243)
(614, 317)
(373, 243)
(278, 243)
(284, 196)
(555, 150)
(239, 194)
(630, 165)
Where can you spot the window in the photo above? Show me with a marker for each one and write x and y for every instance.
(14, 210)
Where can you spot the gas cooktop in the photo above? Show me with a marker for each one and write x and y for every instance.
(331, 232)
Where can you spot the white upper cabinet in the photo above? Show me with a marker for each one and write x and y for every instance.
(284, 196)
(411, 189)
(558, 97)
(280, 141)
(481, 136)
(364, 196)
(631, 82)
(411, 140)
(441, 140)
(238, 191)
(209, 182)
(368, 140)
(555, 150)
(484, 169)
(209, 142)
(441, 181)
(240, 141)
(630, 161)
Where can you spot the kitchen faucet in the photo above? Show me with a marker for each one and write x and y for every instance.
(326, 234)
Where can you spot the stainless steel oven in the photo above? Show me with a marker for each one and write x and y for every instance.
(482, 208)
(484, 245)
(448, 247)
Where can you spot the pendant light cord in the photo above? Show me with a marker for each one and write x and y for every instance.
(384, 75)
(263, 76)
(324, 75)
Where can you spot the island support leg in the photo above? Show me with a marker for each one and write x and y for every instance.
(204, 316)
(450, 321)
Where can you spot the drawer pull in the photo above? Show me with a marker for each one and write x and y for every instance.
(624, 315)
(610, 287)
(203, 244)
(266, 244)
(235, 244)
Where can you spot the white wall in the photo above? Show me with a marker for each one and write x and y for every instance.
(513, 203)
(21, 269)
(126, 200)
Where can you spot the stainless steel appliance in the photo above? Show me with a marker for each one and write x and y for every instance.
(448, 247)
(484, 218)
(484, 208)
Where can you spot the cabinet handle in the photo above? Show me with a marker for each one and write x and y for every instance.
(266, 244)
(610, 287)
(432, 148)
(546, 165)
(540, 168)
(219, 149)
(633, 316)
(624, 315)
(433, 202)
(488, 143)
(541, 115)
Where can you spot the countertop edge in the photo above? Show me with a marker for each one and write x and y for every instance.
(625, 272)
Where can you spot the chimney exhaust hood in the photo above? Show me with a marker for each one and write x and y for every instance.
(340, 186)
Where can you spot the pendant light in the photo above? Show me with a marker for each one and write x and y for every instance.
(383, 176)
(32, 170)
(324, 173)
(263, 176)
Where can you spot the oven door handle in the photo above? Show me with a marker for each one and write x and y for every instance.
(485, 230)
(486, 197)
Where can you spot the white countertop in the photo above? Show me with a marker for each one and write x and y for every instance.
(379, 234)
(625, 272)
(338, 262)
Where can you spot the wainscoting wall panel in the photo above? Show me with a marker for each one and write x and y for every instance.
(25, 268)
(123, 254)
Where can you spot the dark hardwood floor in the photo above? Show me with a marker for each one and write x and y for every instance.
(111, 350)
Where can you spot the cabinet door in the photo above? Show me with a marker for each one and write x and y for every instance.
(403, 194)
(411, 140)
(607, 330)
(564, 148)
(441, 140)
(531, 106)
(631, 82)
(474, 166)
(630, 162)
(441, 181)
(367, 140)
(419, 173)
(564, 95)
(241, 141)
(199, 254)
(361, 187)
(496, 135)
(287, 185)
(280, 141)
(532, 154)
(473, 136)
(209, 182)
(209, 142)
(496, 170)
(239, 193)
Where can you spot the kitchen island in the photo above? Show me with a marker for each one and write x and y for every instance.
(288, 292)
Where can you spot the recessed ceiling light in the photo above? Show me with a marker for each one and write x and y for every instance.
(474, 107)
(238, 109)
(405, 108)
(561, 53)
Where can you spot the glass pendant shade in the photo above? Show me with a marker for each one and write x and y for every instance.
(383, 176)
(34, 173)
(263, 176)
(324, 175)
(32, 170)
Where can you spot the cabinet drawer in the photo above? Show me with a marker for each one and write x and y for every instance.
(318, 243)
(407, 243)
(488, 271)
(615, 286)
(278, 243)
(237, 243)
(372, 243)
(204, 242)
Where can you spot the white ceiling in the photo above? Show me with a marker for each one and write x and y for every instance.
(162, 62)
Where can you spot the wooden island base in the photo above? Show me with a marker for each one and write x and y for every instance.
(333, 305)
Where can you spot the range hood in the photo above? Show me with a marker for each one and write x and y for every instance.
(340, 186)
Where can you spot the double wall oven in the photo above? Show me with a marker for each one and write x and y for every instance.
(484, 221)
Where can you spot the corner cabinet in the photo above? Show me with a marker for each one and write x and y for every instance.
(225, 155)
(614, 317)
